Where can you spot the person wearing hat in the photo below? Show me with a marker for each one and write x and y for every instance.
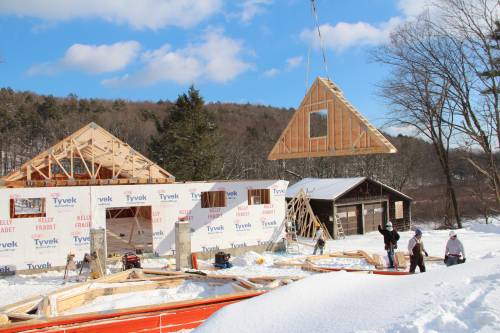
(454, 250)
(391, 238)
(320, 241)
(416, 250)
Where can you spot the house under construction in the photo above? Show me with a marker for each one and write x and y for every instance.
(91, 179)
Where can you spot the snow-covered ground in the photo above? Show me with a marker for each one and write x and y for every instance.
(187, 290)
(462, 298)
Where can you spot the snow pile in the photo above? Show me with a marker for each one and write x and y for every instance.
(14, 288)
(356, 263)
(461, 298)
(186, 291)
(248, 265)
(253, 258)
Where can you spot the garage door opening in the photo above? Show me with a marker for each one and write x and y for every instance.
(129, 229)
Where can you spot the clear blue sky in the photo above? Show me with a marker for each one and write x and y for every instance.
(233, 51)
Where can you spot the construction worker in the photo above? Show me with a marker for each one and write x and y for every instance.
(391, 238)
(416, 250)
(320, 241)
(454, 250)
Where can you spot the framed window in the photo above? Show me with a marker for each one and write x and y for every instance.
(27, 207)
(259, 196)
(398, 205)
(318, 123)
(212, 199)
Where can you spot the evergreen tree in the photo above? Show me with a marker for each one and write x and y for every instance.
(186, 144)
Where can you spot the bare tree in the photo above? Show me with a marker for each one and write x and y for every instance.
(420, 98)
(466, 52)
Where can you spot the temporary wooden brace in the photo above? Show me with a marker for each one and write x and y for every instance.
(348, 131)
(104, 158)
(299, 211)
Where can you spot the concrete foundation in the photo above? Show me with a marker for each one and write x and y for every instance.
(182, 245)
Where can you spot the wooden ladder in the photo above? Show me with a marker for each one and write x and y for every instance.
(292, 242)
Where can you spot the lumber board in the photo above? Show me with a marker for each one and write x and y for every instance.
(400, 259)
(380, 262)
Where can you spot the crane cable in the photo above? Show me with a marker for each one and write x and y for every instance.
(314, 13)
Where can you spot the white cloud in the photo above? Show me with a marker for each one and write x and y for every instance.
(92, 58)
(150, 14)
(272, 72)
(345, 35)
(250, 8)
(293, 62)
(216, 59)
(413, 8)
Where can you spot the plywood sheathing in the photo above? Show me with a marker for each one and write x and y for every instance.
(90, 156)
(348, 131)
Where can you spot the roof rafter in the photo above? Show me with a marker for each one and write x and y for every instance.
(101, 155)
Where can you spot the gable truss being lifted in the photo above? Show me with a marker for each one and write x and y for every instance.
(91, 155)
(348, 132)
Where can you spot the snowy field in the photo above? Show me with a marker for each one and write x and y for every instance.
(463, 298)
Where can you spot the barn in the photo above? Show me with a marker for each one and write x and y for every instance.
(354, 205)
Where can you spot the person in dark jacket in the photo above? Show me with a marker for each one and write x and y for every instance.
(391, 238)
(416, 251)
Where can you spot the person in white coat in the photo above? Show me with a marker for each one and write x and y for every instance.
(454, 253)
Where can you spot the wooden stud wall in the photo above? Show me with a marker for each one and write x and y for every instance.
(348, 132)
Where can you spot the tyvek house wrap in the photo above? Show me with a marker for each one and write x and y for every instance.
(44, 242)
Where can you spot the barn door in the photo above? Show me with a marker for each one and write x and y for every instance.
(349, 218)
(373, 216)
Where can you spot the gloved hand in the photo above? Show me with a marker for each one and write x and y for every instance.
(426, 254)
(445, 259)
(463, 260)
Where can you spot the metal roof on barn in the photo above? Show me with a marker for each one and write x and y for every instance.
(332, 188)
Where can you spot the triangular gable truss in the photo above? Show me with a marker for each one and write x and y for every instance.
(348, 131)
(91, 155)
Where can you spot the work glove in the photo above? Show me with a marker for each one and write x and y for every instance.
(463, 260)
(445, 259)
(426, 254)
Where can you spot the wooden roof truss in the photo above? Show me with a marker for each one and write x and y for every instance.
(91, 155)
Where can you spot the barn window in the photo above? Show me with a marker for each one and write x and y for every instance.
(318, 123)
(398, 209)
(27, 207)
(213, 199)
(259, 197)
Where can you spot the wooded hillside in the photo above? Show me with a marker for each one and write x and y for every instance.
(243, 135)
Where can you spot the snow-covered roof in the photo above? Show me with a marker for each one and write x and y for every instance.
(331, 188)
(324, 188)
